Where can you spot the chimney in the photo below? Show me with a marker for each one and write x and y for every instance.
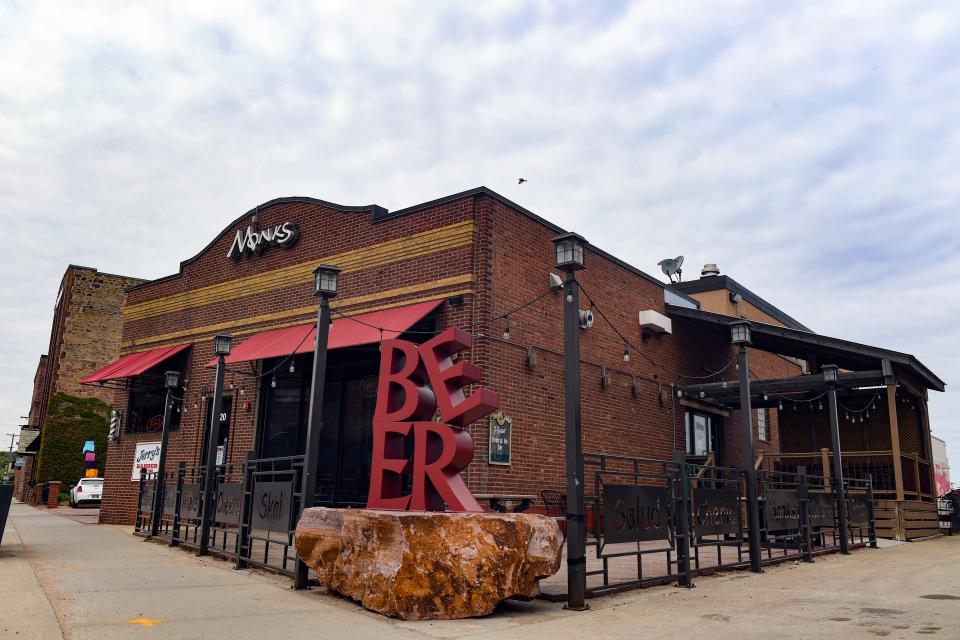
(709, 269)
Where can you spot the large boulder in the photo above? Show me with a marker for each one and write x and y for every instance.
(429, 566)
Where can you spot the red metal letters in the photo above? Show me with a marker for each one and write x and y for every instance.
(405, 408)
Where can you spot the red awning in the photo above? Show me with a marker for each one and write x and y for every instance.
(134, 364)
(344, 332)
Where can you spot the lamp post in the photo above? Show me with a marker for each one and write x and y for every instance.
(740, 337)
(569, 253)
(325, 282)
(171, 382)
(830, 375)
(221, 347)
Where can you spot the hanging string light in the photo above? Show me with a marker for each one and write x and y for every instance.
(273, 382)
(292, 367)
(626, 354)
(506, 332)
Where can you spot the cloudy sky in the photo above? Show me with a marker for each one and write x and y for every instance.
(811, 149)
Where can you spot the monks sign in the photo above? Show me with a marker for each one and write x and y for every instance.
(404, 410)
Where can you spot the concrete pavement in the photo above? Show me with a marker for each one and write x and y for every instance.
(58, 575)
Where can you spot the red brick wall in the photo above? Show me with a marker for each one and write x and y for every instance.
(510, 258)
(324, 231)
(614, 421)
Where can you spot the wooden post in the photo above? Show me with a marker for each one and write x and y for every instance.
(928, 443)
(825, 464)
(895, 438)
(916, 474)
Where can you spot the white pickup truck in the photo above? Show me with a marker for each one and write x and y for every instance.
(88, 490)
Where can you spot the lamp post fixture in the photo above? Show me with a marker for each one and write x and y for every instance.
(569, 254)
(830, 376)
(326, 282)
(740, 337)
(171, 382)
(221, 347)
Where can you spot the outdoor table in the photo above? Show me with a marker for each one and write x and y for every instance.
(503, 502)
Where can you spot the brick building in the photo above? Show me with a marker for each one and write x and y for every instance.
(466, 260)
(85, 335)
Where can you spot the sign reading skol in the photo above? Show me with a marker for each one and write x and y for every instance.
(405, 406)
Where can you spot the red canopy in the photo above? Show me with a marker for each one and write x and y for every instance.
(344, 332)
(134, 364)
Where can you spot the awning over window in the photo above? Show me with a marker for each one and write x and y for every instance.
(351, 331)
(134, 364)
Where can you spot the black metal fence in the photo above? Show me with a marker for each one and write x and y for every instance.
(253, 517)
(662, 521)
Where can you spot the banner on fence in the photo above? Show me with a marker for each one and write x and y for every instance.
(190, 501)
(271, 505)
(716, 512)
(820, 509)
(229, 501)
(169, 499)
(632, 513)
(782, 508)
(858, 510)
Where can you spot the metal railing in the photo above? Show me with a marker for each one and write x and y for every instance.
(661, 521)
(254, 512)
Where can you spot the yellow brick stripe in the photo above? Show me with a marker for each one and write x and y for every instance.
(301, 314)
(451, 236)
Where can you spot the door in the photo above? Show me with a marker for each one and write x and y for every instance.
(223, 429)
(703, 431)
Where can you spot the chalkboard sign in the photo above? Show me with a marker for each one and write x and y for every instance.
(499, 451)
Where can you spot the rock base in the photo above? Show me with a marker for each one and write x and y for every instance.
(429, 566)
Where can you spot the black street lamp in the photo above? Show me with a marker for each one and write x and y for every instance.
(171, 382)
(830, 376)
(326, 281)
(740, 337)
(221, 347)
(569, 247)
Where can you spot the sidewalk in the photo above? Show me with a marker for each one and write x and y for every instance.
(101, 582)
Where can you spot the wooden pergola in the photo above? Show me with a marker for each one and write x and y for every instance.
(868, 375)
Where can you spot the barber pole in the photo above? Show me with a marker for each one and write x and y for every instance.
(114, 432)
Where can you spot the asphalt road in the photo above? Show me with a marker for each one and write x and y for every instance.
(60, 578)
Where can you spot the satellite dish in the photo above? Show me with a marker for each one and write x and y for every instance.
(671, 267)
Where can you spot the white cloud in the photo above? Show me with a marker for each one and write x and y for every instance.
(808, 148)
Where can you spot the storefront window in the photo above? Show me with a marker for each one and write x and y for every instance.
(147, 395)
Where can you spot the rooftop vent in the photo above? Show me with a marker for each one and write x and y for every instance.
(709, 269)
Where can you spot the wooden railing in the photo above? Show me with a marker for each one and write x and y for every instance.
(863, 464)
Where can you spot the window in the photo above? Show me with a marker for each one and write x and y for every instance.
(147, 395)
(702, 433)
(762, 425)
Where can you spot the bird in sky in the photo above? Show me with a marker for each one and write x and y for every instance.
(521, 180)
